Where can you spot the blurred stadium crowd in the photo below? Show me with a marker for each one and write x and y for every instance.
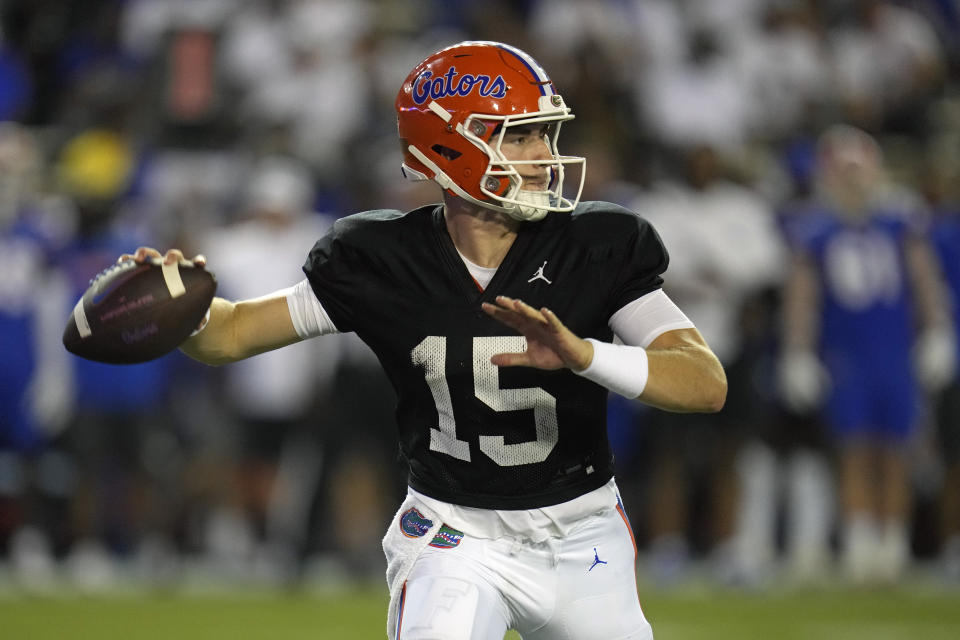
(242, 128)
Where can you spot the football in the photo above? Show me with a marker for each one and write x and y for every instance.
(138, 312)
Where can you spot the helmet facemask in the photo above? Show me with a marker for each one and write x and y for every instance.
(502, 182)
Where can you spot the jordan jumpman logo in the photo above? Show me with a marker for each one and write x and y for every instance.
(539, 274)
(596, 560)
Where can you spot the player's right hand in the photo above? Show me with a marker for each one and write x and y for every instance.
(142, 254)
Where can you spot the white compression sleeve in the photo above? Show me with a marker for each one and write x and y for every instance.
(624, 368)
(308, 315)
(639, 322)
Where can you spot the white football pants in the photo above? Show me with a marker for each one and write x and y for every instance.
(581, 587)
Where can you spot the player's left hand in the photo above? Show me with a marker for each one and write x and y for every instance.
(550, 345)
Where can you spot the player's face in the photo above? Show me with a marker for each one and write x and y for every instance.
(852, 183)
(529, 143)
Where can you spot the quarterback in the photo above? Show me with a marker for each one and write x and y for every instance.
(502, 317)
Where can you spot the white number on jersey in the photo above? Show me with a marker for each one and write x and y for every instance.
(431, 354)
(863, 270)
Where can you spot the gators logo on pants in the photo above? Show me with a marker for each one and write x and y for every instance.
(414, 524)
(446, 538)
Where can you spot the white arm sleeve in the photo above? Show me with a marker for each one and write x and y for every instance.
(623, 368)
(640, 322)
(308, 315)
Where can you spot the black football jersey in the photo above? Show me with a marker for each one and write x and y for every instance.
(472, 433)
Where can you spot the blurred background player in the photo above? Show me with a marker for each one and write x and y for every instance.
(36, 379)
(122, 430)
(261, 518)
(864, 289)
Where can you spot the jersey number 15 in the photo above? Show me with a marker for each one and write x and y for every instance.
(431, 354)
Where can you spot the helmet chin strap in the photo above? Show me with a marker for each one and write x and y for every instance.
(532, 206)
(529, 206)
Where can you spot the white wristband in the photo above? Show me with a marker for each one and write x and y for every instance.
(618, 367)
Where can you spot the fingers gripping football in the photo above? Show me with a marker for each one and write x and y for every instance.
(550, 344)
(172, 256)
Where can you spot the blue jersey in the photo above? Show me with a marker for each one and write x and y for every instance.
(866, 319)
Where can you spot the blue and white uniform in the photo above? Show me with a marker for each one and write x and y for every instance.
(866, 320)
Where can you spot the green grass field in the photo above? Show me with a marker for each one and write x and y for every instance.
(834, 614)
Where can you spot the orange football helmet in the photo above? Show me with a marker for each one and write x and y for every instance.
(453, 111)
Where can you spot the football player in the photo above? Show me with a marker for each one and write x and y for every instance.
(865, 323)
(502, 317)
